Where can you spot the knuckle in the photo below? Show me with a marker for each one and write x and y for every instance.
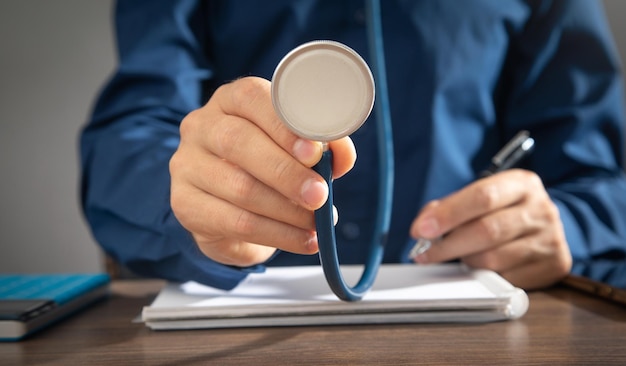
(176, 198)
(177, 165)
(175, 202)
(532, 178)
(547, 212)
(246, 90)
(489, 229)
(525, 219)
(561, 257)
(552, 211)
(180, 209)
(564, 266)
(245, 224)
(486, 196)
(187, 125)
(227, 139)
(242, 184)
(282, 169)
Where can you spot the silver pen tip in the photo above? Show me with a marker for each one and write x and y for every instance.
(421, 246)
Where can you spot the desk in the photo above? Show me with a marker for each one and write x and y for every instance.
(562, 326)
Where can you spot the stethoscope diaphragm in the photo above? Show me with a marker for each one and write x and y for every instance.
(323, 90)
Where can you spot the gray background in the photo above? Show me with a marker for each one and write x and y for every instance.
(54, 57)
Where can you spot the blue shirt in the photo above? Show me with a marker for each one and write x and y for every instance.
(464, 77)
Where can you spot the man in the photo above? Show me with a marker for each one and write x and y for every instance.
(189, 175)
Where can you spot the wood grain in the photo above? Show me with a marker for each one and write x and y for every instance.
(562, 326)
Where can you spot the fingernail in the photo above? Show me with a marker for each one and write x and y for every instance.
(314, 193)
(306, 151)
(428, 228)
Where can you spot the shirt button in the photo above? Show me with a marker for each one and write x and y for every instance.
(350, 231)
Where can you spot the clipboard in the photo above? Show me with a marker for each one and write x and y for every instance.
(299, 296)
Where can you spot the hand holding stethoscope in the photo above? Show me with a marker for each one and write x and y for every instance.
(241, 183)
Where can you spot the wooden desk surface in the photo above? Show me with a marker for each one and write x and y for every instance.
(562, 326)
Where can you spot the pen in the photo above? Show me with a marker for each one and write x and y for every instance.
(520, 146)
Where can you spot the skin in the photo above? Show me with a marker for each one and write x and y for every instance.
(241, 181)
(241, 184)
(506, 223)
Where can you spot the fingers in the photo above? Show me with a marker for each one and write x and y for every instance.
(506, 223)
(211, 219)
(248, 133)
(234, 222)
(539, 274)
(245, 145)
(233, 184)
(488, 231)
(250, 99)
(344, 156)
(476, 200)
(242, 183)
(531, 262)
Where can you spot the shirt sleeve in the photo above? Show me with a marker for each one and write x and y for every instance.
(126, 147)
(568, 92)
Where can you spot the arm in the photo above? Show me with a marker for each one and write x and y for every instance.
(178, 188)
(126, 148)
(569, 93)
(561, 82)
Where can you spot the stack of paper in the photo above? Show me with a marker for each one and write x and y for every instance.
(289, 296)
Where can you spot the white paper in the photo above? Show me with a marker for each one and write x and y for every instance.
(303, 292)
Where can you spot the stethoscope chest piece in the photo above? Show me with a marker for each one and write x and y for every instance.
(323, 90)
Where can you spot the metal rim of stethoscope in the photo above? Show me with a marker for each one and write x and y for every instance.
(304, 75)
(308, 125)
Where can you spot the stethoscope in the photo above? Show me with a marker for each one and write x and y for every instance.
(323, 91)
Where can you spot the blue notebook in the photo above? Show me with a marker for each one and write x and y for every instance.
(31, 302)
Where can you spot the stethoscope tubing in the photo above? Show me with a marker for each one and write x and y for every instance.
(324, 216)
